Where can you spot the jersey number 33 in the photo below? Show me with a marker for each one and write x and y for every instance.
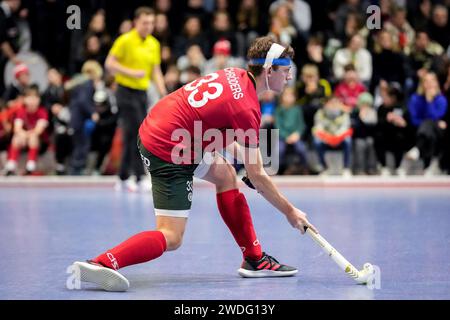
(202, 90)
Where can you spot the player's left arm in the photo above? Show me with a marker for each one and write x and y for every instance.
(264, 185)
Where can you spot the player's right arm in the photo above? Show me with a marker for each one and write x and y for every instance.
(264, 185)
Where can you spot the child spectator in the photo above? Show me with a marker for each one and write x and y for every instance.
(349, 89)
(289, 120)
(312, 92)
(364, 119)
(392, 128)
(222, 58)
(427, 108)
(14, 90)
(332, 131)
(29, 131)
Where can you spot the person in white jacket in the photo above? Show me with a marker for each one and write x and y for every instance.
(354, 53)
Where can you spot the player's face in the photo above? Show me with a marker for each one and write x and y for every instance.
(279, 78)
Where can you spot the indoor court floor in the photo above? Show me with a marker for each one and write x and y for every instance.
(404, 230)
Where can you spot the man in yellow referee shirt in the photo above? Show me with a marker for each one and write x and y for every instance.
(135, 59)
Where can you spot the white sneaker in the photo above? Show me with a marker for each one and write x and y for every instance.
(30, 166)
(413, 154)
(325, 173)
(127, 185)
(106, 278)
(346, 173)
(11, 166)
(385, 172)
(401, 172)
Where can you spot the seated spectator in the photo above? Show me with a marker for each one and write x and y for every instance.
(422, 56)
(55, 89)
(349, 89)
(281, 27)
(93, 50)
(315, 56)
(192, 73)
(29, 131)
(344, 9)
(400, 30)
(125, 26)
(5, 130)
(289, 120)
(364, 120)
(222, 58)
(172, 78)
(353, 25)
(268, 105)
(427, 108)
(438, 26)
(354, 53)
(106, 111)
(421, 16)
(22, 81)
(332, 130)
(162, 29)
(312, 92)
(62, 136)
(54, 94)
(83, 116)
(222, 29)
(300, 11)
(97, 27)
(191, 34)
(392, 134)
(193, 58)
(248, 18)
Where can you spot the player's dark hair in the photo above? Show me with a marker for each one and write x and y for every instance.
(258, 50)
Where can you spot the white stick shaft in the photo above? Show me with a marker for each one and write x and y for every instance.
(334, 254)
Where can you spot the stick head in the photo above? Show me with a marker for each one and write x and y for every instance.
(364, 273)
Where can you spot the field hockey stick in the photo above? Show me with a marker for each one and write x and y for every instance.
(360, 276)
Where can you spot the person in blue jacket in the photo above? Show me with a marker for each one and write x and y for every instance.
(427, 108)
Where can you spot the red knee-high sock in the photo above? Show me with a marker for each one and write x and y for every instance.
(32, 154)
(235, 212)
(13, 153)
(142, 247)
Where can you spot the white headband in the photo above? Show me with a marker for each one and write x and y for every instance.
(275, 52)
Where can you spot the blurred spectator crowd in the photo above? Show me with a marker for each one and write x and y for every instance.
(378, 97)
